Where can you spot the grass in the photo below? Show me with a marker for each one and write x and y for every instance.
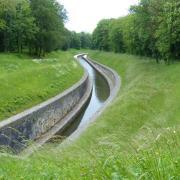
(137, 137)
(26, 82)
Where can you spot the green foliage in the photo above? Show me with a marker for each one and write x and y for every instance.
(7, 16)
(86, 40)
(152, 29)
(75, 41)
(80, 40)
(137, 137)
(116, 36)
(168, 33)
(24, 28)
(101, 35)
(37, 25)
(49, 18)
(2, 24)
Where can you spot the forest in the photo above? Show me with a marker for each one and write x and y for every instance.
(36, 26)
(151, 29)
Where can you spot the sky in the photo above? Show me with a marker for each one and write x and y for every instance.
(85, 14)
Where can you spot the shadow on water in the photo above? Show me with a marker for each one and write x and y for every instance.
(100, 93)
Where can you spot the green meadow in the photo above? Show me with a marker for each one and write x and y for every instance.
(136, 137)
(27, 81)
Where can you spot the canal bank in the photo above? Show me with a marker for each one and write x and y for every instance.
(90, 104)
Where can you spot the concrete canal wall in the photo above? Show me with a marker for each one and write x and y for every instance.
(17, 131)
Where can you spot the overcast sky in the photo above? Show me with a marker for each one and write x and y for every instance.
(85, 14)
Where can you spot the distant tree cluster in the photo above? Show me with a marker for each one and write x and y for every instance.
(151, 29)
(80, 40)
(76, 40)
(37, 26)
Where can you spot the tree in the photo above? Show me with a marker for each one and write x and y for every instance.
(151, 29)
(116, 36)
(7, 16)
(168, 32)
(34, 24)
(75, 41)
(86, 40)
(101, 35)
(17, 24)
(24, 26)
(49, 18)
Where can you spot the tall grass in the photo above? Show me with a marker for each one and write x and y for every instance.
(27, 81)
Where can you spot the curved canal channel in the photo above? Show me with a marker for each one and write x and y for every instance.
(100, 94)
(101, 88)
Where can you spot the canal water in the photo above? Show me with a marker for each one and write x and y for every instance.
(100, 94)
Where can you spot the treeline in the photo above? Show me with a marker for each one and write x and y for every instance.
(80, 40)
(151, 29)
(37, 26)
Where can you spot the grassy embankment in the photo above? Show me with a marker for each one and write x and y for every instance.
(26, 81)
(137, 137)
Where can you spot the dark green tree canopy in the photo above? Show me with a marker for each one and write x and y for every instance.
(37, 25)
(151, 29)
(101, 35)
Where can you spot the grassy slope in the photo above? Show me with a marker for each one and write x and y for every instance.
(25, 83)
(137, 137)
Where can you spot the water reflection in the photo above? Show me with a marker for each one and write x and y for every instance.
(99, 95)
